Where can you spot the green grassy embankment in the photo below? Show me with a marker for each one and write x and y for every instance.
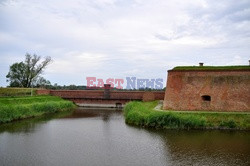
(212, 68)
(15, 108)
(143, 114)
(10, 92)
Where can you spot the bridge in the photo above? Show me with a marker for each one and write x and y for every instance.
(104, 98)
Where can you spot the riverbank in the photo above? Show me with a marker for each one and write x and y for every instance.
(15, 108)
(143, 114)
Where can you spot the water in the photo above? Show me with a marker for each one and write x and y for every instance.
(98, 137)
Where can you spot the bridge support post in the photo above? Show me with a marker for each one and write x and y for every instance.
(106, 94)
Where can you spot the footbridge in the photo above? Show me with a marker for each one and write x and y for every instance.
(104, 98)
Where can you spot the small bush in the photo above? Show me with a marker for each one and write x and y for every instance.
(230, 124)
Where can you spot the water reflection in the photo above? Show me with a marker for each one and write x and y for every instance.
(100, 137)
(206, 147)
(103, 113)
(28, 125)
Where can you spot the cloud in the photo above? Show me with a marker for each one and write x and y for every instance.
(119, 38)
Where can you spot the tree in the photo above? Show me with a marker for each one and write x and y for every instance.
(42, 82)
(27, 73)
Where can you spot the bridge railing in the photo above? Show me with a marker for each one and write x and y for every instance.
(99, 94)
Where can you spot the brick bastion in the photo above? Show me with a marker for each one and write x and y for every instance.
(215, 90)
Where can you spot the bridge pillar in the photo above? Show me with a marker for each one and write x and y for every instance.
(106, 93)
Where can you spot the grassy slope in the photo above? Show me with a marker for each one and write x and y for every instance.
(143, 114)
(212, 68)
(13, 108)
(4, 92)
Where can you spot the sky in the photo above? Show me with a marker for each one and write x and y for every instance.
(123, 38)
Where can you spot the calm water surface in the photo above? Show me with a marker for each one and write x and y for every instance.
(98, 137)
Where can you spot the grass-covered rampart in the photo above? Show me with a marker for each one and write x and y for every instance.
(143, 114)
(10, 92)
(14, 108)
(212, 68)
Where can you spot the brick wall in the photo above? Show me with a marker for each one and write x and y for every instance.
(190, 90)
(78, 95)
(43, 92)
(94, 94)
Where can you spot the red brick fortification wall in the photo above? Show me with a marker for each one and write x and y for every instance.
(43, 92)
(99, 94)
(93, 94)
(208, 90)
(153, 95)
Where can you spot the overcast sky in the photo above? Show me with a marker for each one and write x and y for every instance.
(122, 38)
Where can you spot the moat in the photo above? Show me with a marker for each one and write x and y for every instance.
(94, 137)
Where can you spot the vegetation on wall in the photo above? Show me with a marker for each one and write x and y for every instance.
(212, 68)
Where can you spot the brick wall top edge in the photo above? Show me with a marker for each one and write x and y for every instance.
(77, 91)
(103, 90)
(136, 91)
(212, 70)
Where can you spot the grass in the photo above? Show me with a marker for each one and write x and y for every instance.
(10, 92)
(143, 114)
(15, 108)
(212, 68)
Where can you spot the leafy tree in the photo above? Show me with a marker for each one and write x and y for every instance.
(27, 73)
(42, 82)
